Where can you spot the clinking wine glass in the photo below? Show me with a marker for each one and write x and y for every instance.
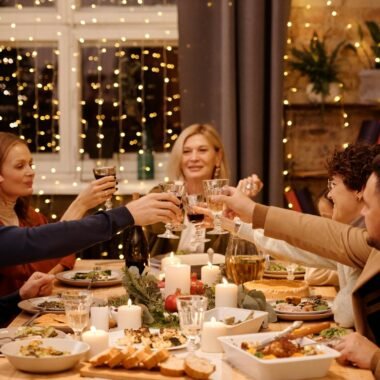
(212, 187)
(104, 171)
(191, 311)
(77, 310)
(176, 188)
(190, 201)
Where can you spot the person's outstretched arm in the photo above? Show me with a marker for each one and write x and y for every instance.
(21, 245)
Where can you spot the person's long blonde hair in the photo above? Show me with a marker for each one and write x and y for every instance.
(174, 171)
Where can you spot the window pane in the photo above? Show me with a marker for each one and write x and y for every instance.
(129, 93)
(27, 3)
(28, 95)
(130, 3)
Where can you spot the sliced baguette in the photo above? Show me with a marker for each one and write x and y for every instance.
(198, 368)
(101, 358)
(174, 367)
(136, 358)
(116, 357)
(155, 358)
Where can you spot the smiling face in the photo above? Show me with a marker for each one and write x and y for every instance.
(371, 211)
(199, 158)
(16, 175)
(347, 203)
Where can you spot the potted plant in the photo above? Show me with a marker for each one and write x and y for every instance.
(320, 67)
(369, 90)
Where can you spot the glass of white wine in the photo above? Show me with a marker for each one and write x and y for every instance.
(77, 310)
(191, 311)
(212, 187)
(104, 171)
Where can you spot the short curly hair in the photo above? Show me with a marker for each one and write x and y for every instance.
(354, 164)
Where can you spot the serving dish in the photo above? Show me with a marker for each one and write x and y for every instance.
(256, 319)
(27, 332)
(277, 269)
(67, 277)
(76, 351)
(293, 368)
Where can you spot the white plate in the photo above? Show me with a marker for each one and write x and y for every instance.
(67, 278)
(34, 302)
(114, 336)
(77, 350)
(301, 367)
(314, 312)
(251, 325)
(9, 333)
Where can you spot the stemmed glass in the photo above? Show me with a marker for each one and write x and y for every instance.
(290, 269)
(190, 201)
(212, 187)
(77, 310)
(177, 188)
(191, 310)
(104, 171)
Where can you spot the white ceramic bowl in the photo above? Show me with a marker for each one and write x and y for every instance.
(47, 364)
(251, 325)
(304, 367)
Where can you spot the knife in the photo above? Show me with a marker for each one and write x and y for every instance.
(281, 334)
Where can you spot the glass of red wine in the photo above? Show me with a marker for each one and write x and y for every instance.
(190, 201)
(104, 171)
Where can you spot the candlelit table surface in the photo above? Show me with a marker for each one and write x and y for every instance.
(224, 370)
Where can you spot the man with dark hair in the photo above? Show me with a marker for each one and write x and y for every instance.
(348, 245)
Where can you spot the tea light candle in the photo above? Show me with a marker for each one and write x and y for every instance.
(210, 274)
(100, 317)
(169, 260)
(210, 332)
(177, 277)
(226, 294)
(97, 340)
(129, 316)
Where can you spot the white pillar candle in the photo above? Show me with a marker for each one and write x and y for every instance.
(177, 277)
(226, 294)
(100, 317)
(129, 316)
(169, 260)
(210, 274)
(97, 340)
(210, 332)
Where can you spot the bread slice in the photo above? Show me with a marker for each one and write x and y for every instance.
(174, 367)
(137, 358)
(198, 368)
(116, 356)
(155, 358)
(101, 358)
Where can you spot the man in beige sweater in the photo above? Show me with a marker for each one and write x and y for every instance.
(351, 246)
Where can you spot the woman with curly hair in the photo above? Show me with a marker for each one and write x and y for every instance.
(348, 171)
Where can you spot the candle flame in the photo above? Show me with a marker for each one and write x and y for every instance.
(224, 280)
(209, 264)
(129, 303)
(93, 329)
(171, 254)
(213, 319)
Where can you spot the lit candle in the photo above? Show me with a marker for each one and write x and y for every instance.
(210, 332)
(97, 340)
(210, 274)
(129, 316)
(100, 317)
(226, 294)
(177, 277)
(169, 260)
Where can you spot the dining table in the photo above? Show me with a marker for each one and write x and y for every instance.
(224, 371)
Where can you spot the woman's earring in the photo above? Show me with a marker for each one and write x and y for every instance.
(217, 172)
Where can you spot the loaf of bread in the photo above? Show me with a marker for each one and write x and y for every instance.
(198, 368)
(174, 367)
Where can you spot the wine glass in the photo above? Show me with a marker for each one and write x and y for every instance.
(104, 171)
(191, 310)
(77, 310)
(190, 201)
(177, 188)
(290, 269)
(211, 188)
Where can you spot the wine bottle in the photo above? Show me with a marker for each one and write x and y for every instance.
(136, 250)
